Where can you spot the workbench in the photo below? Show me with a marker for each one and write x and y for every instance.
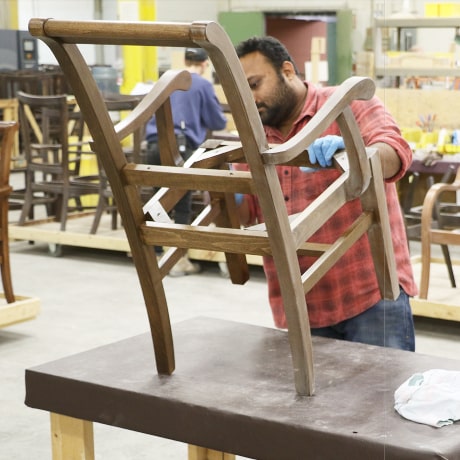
(233, 392)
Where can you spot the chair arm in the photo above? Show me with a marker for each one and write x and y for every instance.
(169, 82)
(336, 109)
(351, 89)
(431, 197)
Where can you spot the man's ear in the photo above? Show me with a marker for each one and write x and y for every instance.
(288, 70)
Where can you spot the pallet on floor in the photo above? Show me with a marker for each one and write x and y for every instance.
(443, 300)
(76, 233)
(23, 309)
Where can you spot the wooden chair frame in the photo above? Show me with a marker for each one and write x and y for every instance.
(435, 234)
(282, 236)
(53, 165)
(8, 130)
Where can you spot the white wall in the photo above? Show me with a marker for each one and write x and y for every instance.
(189, 10)
(70, 10)
(57, 9)
(363, 10)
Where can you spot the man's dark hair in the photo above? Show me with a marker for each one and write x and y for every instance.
(274, 51)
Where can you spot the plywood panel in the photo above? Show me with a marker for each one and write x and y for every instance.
(407, 104)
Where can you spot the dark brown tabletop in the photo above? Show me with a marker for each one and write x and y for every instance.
(233, 391)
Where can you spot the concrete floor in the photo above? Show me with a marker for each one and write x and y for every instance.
(92, 297)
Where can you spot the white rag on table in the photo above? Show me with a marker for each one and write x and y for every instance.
(431, 397)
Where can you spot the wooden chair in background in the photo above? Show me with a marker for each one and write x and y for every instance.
(52, 164)
(29, 81)
(217, 227)
(7, 132)
(413, 214)
(440, 224)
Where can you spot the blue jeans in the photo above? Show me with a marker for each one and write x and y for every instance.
(389, 323)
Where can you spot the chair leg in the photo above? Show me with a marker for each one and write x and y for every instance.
(448, 262)
(71, 438)
(6, 278)
(101, 204)
(426, 265)
(114, 219)
(63, 204)
(78, 203)
(5, 254)
(445, 249)
(27, 208)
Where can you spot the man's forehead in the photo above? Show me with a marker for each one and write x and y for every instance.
(255, 56)
(255, 64)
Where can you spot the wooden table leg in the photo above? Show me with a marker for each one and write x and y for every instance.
(201, 453)
(72, 439)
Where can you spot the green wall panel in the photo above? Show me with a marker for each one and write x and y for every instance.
(240, 26)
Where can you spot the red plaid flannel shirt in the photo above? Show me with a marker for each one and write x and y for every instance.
(350, 287)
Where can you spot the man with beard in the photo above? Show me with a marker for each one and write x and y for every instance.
(346, 303)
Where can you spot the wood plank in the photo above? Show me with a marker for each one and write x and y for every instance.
(407, 104)
(216, 256)
(9, 108)
(437, 310)
(202, 453)
(77, 234)
(72, 439)
(444, 300)
(24, 309)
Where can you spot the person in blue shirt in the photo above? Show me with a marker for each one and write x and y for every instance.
(195, 112)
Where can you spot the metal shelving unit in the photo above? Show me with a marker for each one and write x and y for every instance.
(400, 23)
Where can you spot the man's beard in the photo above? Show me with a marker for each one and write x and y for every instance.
(280, 106)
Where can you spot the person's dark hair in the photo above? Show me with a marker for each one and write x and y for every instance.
(196, 55)
(270, 47)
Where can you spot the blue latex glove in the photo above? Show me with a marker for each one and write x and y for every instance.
(306, 169)
(239, 197)
(323, 149)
